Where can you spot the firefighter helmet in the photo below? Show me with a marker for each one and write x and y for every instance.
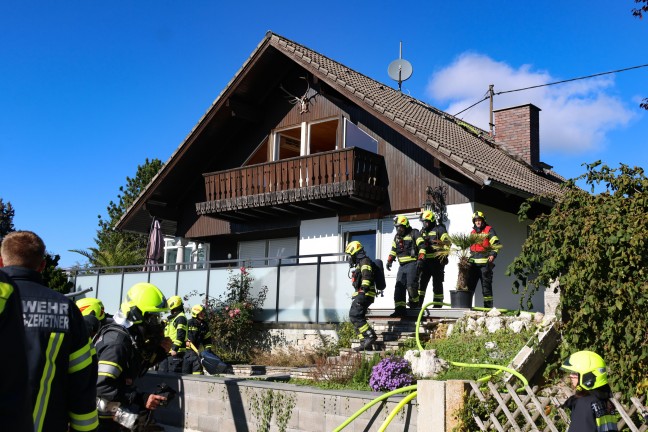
(478, 215)
(401, 220)
(427, 215)
(90, 305)
(590, 368)
(196, 310)
(143, 298)
(353, 248)
(174, 302)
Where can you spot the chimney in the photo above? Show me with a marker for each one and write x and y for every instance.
(518, 129)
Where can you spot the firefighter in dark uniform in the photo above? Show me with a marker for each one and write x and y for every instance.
(127, 348)
(176, 330)
(482, 257)
(363, 296)
(591, 408)
(93, 313)
(407, 247)
(434, 237)
(198, 336)
(59, 352)
(15, 405)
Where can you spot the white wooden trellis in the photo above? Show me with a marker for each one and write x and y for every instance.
(531, 409)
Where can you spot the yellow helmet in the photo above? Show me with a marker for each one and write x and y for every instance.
(590, 367)
(478, 215)
(196, 310)
(401, 220)
(427, 215)
(353, 248)
(174, 302)
(90, 305)
(141, 299)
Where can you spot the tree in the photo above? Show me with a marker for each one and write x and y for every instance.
(120, 247)
(6, 218)
(596, 246)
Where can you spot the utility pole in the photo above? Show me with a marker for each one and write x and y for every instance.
(491, 93)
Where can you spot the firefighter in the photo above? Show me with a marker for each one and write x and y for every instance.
(93, 313)
(591, 408)
(15, 410)
(363, 296)
(434, 237)
(198, 335)
(409, 249)
(59, 353)
(176, 330)
(482, 257)
(127, 348)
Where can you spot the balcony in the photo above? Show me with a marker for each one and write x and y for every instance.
(339, 181)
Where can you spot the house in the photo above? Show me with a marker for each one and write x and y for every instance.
(300, 154)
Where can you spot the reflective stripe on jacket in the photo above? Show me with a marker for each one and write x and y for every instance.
(177, 331)
(478, 254)
(407, 248)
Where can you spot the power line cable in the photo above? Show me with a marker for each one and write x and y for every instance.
(554, 83)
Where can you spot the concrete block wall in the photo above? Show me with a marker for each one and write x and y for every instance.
(207, 404)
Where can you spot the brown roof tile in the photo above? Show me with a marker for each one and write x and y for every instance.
(465, 147)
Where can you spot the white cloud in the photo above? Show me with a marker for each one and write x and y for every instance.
(575, 116)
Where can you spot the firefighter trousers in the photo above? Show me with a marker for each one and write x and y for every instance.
(406, 284)
(483, 273)
(358, 311)
(435, 270)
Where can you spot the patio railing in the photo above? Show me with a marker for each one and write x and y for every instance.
(307, 288)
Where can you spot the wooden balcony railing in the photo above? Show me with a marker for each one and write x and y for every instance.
(338, 173)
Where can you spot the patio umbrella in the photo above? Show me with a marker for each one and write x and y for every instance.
(154, 248)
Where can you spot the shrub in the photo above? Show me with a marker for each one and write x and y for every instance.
(390, 374)
(231, 318)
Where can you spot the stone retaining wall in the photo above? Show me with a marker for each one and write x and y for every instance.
(209, 404)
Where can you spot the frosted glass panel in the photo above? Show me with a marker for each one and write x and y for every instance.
(165, 280)
(109, 292)
(335, 293)
(193, 285)
(297, 293)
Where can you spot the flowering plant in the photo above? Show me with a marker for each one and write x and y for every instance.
(232, 317)
(390, 374)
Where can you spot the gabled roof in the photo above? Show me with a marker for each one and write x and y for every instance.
(465, 148)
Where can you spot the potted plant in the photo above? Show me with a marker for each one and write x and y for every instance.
(459, 247)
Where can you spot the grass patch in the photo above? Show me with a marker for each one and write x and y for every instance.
(497, 348)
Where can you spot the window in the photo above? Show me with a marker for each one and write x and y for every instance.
(272, 248)
(260, 155)
(364, 232)
(322, 136)
(318, 137)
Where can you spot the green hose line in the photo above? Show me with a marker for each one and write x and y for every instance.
(481, 366)
(374, 402)
(400, 406)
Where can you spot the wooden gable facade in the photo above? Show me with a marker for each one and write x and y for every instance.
(277, 148)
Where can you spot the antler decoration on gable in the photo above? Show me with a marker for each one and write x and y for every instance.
(304, 100)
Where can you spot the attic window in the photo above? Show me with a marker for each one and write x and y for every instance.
(288, 143)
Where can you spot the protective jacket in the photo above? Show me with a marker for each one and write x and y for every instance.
(199, 334)
(408, 247)
(589, 413)
(176, 329)
(124, 355)
(15, 404)
(478, 253)
(363, 278)
(59, 357)
(432, 238)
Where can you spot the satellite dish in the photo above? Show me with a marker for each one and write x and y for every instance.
(400, 69)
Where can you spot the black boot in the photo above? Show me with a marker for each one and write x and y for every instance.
(399, 312)
(368, 338)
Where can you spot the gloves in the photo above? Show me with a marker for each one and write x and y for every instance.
(388, 265)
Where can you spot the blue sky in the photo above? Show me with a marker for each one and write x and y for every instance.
(89, 90)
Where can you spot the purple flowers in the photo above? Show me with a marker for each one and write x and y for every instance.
(390, 374)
